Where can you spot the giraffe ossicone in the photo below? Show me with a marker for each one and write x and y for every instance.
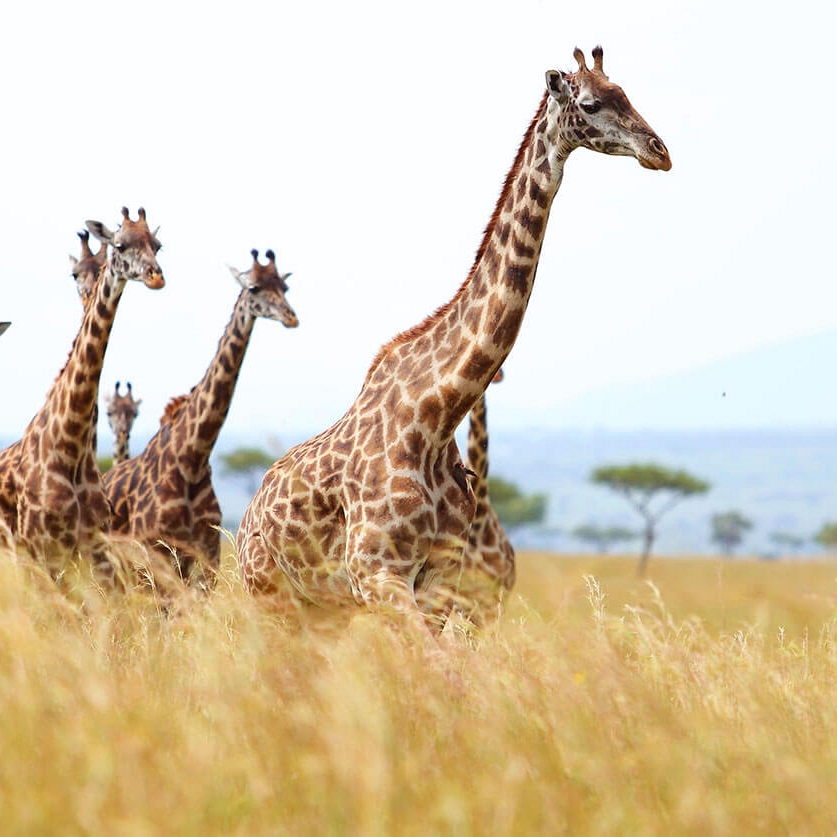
(370, 511)
(164, 497)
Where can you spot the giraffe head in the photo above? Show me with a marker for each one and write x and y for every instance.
(133, 249)
(596, 114)
(122, 412)
(265, 290)
(86, 268)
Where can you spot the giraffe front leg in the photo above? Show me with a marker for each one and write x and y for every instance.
(382, 565)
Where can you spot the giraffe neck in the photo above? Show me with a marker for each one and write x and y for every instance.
(200, 419)
(478, 456)
(120, 448)
(460, 347)
(69, 414)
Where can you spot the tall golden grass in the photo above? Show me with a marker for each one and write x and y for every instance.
(702, 703)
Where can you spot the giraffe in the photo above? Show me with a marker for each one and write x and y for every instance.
(165, 493)
(378, 504)
(85, 272)
(476, 584)
(86, 269)
(122, 412)
(51, 493)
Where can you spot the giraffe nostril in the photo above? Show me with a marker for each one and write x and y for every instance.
(657, 147)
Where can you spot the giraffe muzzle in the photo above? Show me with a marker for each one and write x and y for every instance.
(657, 158)
(154, 281)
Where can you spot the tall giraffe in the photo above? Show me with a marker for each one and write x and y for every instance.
(165, 493)
(51, 493)
(475, 584)
(122, 412)
(380, 501)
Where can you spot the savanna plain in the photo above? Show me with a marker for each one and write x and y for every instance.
(699, 701)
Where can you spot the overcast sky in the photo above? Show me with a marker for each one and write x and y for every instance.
(367, 143)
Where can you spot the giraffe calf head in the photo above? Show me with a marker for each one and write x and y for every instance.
(122, 411)
(596, 114)
(265, 290)
(134, 249)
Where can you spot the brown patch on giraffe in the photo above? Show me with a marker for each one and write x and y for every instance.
(517, 277)
(533, 224)
(521, 250)
(430, 411)
(538, 195)
(477, 365)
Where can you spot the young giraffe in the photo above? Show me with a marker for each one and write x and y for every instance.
(476, 584)
(51, 493)
(380, 501)
(122, 412)
(165, 493)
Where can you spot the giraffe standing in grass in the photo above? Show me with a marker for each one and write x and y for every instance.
(51, 493)
(122, 412)
(165, 493)
(371, 511)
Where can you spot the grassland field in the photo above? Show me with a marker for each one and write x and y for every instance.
(700, 701)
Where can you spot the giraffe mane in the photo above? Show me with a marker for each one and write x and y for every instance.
(174, 406)
(422, 327)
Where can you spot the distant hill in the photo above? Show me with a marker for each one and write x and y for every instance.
(787, 384)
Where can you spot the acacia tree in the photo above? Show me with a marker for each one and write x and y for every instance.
(248, 464)
(728, 530)
(603, 537)
(827, 536)
(788, 541)
(512, 506)
(640, 484)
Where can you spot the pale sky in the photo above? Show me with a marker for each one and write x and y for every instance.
(367, 143)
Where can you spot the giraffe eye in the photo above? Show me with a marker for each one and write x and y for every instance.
(591, 107)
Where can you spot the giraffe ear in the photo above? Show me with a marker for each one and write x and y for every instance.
(557, 86)
(100, 231)
(138, 402)
(73, 260)
(243, 279)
